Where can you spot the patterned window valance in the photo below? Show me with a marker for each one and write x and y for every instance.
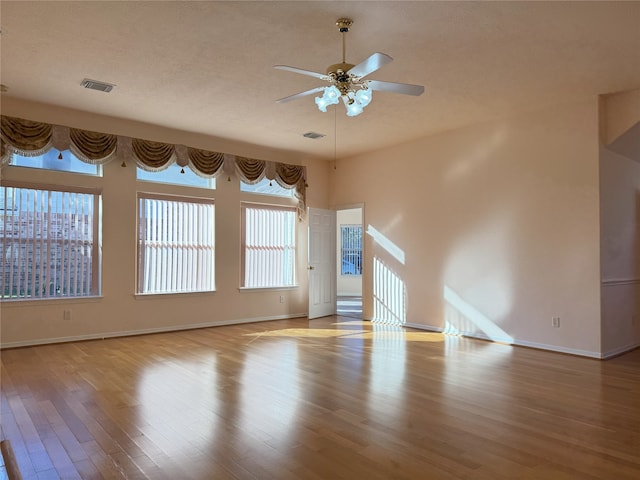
(31, 139)
(153, 156)
(27, 138)
(92, 147)
(204, 163)
(249, 170)
(294, 176)
(252, 171)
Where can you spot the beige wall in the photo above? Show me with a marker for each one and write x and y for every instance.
(620, 225)
(347, 284)
(119, 310)
(489, 230)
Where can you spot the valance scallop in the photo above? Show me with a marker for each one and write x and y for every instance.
(204, 163)
(25, 137)
(250, 170)
(153, 156)
(92, 147)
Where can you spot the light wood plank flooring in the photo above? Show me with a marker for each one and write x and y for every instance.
(323, 399)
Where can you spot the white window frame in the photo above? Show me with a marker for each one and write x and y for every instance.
(172, 176)
(273, 189)
(20, 161)
(193, 257)
(289, 247)
(81, 236)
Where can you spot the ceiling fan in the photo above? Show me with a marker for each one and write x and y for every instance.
(347, 81)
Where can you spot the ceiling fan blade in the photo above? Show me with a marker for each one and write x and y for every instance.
(321, 76)
(300, 95)
(370, 65)
(404, 88)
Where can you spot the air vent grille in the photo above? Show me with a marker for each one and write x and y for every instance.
(96, 85)
(313, 135)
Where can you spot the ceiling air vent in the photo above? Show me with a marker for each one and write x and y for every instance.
(313, 135)
(96, 85)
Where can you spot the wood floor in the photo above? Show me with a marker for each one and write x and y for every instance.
(323, 399)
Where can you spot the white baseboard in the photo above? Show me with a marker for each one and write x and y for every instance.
(540, 346)
(615, 282)
(146, 331)
(620, 350)
(128, 333)
(521, 343)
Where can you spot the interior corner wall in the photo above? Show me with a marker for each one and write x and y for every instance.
(620, 111)
(491, 230)
(119, 311)
(620, 229)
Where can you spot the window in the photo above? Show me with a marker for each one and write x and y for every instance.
(50, 243)
(351, 249)
(173, 176)
(269, 246)
(51, 161)
(267, 187)
(175, 244)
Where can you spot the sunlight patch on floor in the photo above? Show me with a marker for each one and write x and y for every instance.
(376, 334)
(353, 323)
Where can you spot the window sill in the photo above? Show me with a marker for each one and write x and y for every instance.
(148, 296)
(8, 303)
(268, 289)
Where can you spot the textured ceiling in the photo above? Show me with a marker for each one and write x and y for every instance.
(206, 67)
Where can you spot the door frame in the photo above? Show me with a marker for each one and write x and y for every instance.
(352, 206)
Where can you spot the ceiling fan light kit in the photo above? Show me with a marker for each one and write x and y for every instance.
(346, 81)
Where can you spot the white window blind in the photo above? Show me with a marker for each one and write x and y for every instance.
(176, 245)
(49, 243)
(269, 246)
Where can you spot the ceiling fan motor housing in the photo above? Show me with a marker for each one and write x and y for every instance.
(339, 77)
(344, 24)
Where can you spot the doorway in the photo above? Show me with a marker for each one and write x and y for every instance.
(349, 261)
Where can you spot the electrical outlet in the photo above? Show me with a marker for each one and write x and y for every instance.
(281, 298)
(67, 315)
(555, 322)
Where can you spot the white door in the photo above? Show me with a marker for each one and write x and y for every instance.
(322, 262)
